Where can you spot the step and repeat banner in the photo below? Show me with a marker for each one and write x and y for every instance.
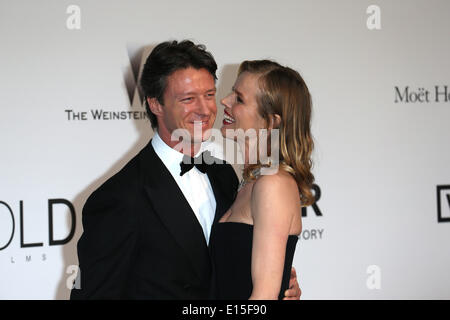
(379, 74)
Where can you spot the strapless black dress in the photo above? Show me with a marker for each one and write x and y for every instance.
(231, 251)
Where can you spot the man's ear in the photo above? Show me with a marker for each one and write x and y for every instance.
(275, 121)
(155, 107)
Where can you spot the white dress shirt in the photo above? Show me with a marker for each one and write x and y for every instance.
(194, 185)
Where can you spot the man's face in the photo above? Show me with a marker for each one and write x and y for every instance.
(189, 99)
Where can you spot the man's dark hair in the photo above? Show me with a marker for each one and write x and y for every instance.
(166, 58)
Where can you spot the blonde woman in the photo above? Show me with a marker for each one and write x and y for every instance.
(254, 242)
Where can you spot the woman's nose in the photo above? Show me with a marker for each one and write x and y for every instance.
(225, 101)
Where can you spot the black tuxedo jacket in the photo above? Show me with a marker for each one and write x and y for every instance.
(141, 239)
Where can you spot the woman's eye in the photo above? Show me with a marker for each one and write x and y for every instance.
(238, 99)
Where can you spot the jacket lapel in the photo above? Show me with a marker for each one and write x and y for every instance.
(174, 211)
(219, 193)
(224, 192)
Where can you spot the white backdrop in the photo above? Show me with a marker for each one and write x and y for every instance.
(381, 160)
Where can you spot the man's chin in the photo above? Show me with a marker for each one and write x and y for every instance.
(198, 136)
(203, 137)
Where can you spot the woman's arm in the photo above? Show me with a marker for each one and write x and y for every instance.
(274, 204)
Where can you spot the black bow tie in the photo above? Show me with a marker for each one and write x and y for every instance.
(201, 162)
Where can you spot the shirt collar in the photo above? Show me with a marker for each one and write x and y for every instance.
(170, 157)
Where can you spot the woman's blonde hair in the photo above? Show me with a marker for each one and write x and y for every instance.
(283, 92)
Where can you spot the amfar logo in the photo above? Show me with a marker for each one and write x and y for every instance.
(317, 194)
(131, 73)
(422, 95)
(443, 203)
(8, 224)
(313, 234)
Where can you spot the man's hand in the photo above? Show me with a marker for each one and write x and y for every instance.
(294, 292)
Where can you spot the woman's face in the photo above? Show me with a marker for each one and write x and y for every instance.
(241, 108)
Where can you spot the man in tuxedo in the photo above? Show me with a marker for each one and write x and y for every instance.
(146, 229)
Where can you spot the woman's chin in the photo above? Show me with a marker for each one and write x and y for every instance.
(222, 131)
(229, 132)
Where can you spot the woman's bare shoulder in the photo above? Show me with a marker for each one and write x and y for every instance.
(277, 184)
(277, 193)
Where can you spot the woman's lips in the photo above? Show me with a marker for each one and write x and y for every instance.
(227, 118)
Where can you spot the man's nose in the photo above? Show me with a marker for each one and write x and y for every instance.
(203, 107)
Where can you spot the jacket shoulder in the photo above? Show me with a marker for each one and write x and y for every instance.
(120, 187)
